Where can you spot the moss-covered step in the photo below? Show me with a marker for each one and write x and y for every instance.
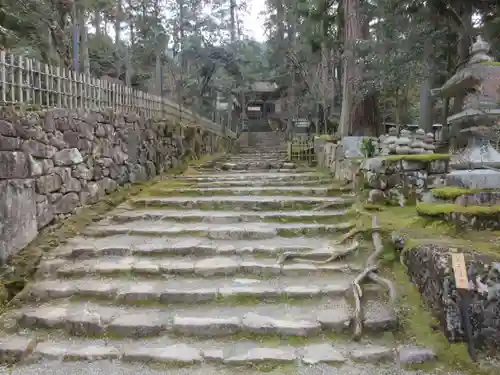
(324, 190)
(215, 266)
(309, 181)
(245, 203)
(431, 163)
(246, 355)
(217, 290)
(283, 176)
(467, 197)
(229, 217)
(241, 231)
(126, 245)
(283, 319)
(473, 216)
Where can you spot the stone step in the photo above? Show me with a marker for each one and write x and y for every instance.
(272, 165)
(228, 217)
(207, 267)
(259, 182)
(180, 353)
(228, 176)
(124, 245)
(240, 231)
(254, 159)
(282, 319)
(260, 190)
(185, 290)
(251, 169)
(254, 203)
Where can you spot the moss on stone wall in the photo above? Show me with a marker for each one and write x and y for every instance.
(433, 209)
(419, 157)
(452, 192)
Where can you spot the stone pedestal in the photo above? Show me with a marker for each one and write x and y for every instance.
(478, 154)
(471, 167)
(474, 179)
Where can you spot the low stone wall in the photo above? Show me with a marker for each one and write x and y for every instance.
(429, 267)
(53, 161)
(465, 208)
(402, 179)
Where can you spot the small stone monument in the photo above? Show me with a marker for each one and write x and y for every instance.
(477, 165)
(403, 143)
(383, 146)
(417, 144)
(428, 143)
(391, 140)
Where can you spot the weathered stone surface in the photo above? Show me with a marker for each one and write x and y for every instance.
(175, 354)
(60, 149)
(38, 149)
(48, 184)
(216, 266)
(263, 324)
(372, 354)
(70, 156)
(14, 165)
(200, 326)
(7, 129)
(415, 355)
(67, 203)
(18, 213)
(139, 325)
(258, 355)
(10, 143)
(70, 351)
(13, 348)
(429, 267)
(400, 182)
(318, 353)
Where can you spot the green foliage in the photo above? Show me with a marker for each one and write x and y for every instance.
(432, 209)
(419, 157)
(368, 147)
(452, 192)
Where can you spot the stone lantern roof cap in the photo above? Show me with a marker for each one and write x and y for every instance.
(481, 73)
(479, 51)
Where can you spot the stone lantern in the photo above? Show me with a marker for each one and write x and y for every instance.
(475, 166)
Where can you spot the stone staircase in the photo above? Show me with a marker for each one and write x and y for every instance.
(187, 277)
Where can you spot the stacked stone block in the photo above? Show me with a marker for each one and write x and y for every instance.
(54, 161)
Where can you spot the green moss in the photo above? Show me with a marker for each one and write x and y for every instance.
(492, 63)
(419, 157)
(22, 266)
(432, 209)
(419, 328)
(452, 192)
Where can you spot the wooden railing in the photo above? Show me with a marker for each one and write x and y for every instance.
(301, 150)
(27, 81)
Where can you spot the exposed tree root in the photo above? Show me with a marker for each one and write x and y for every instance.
(302, 257)
(353, 232)
(369, 272)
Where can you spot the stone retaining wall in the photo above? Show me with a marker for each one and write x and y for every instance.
(53, 161)
(429, 267)
(400, 181)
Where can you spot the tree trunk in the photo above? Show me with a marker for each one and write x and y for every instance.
(97, 22)
(232, 6)
(465, 40)
(358, 116)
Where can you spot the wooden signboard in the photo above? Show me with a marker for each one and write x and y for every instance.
(462, 284)
(460, 270)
